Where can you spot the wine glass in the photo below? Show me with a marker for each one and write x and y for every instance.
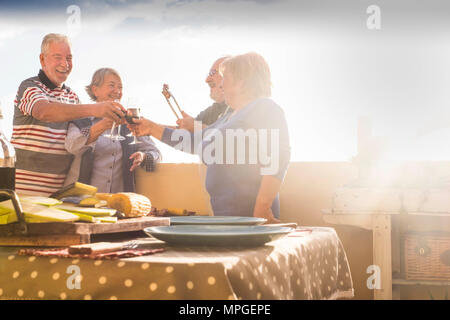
(133, 113)
(115, 128)
(131, 103)
(115, 133)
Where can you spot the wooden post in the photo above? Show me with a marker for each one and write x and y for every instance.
(396, 243)
(396, 253)
(382, 256)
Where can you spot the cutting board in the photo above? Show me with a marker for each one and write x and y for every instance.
(55, 234)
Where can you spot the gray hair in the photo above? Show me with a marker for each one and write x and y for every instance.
(53, 37)
(97, 80)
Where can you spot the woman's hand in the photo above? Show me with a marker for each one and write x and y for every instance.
(141, 127)
(264, 211)
(137, 157)
(145, 127)
(268, 190)
(98, 128)
(105, 124)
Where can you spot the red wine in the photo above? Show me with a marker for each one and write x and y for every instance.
(7, 180)
(130, 119)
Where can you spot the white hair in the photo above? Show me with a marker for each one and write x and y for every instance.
(53, 37)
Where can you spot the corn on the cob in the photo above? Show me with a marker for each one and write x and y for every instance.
(131, 204)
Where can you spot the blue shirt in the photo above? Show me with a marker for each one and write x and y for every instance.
(233, 177)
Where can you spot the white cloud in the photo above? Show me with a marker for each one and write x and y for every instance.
(8, 32)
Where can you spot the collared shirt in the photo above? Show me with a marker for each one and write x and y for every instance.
(42, 160)
(108, 163)
(107, 167)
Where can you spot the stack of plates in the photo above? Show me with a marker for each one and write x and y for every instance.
(217, 231)
(216, 220)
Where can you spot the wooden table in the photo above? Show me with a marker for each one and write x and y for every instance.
(68, 233)
(306, 264)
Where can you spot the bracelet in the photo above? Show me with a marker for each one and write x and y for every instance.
(86, 131)
(149, 162)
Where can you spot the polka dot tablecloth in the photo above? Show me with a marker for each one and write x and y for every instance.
(310, 266)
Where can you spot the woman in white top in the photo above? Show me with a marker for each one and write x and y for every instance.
(99, 161)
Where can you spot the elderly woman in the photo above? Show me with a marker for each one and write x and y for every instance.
(99, 161)
(246, 182)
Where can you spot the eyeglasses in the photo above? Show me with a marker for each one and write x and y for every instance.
(212, 72)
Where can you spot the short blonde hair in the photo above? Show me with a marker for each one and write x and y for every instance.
(53, 37)
(222, 59)
(97, 80)
(253, 70)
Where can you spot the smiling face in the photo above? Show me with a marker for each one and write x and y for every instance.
(109, 90)
(56, 62)
(214, 81)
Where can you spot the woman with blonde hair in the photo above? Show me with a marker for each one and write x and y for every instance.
(241, 179)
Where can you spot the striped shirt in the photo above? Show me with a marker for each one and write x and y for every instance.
(42, 160)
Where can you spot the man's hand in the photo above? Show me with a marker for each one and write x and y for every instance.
(187, 122)
(60, 112)
(109, 109)
(137, 157)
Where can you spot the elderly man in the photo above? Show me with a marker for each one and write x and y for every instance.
(42, 109)
(217, 109)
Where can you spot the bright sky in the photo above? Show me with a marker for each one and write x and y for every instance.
(327, 67)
